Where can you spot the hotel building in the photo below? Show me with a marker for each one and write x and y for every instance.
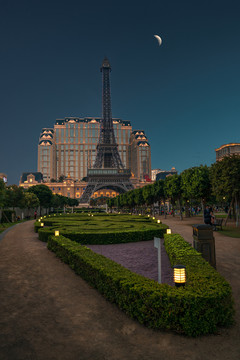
(69, 149)
(227, 150)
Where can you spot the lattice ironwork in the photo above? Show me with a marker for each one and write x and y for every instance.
(107, 159)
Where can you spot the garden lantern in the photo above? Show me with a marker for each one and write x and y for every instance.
(42, 224)
(159, 221)
(56, 232)
(169, 231)
(179, 275)
(153, 218)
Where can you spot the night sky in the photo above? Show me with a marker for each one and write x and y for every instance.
(185, 93)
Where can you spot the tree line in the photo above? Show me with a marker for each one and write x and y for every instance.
(199, 185)
(14, 196)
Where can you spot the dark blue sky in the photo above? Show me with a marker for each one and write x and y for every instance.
(185, 93)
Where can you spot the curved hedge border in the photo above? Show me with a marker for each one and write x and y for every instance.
(104, 238)
(144, 229)
(198, 308)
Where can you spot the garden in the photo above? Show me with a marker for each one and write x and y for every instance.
(200, 307)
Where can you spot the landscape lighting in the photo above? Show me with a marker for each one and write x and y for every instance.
(56, 232)
(169, 231)
(42, 224)
(159, 221)
(179, 275)
(153, 218)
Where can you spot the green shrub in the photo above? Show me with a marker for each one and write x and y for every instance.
(101, 228)
(102, 238)
(196, 309)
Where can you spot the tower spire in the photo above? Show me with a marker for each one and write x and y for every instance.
(108, 171)
(107, 148)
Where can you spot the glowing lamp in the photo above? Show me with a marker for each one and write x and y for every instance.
(148, 215)
(39, 219)
(92, 215)
(179, 275)
(56, 232)
(42, 224)
(159, 221)
(139, 214)
(153, 218)
(169, 231)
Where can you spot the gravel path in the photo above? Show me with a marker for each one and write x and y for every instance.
(140, 257)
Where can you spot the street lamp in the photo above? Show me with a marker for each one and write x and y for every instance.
(179, 275)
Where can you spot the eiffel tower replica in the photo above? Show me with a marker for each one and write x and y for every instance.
(108, 171)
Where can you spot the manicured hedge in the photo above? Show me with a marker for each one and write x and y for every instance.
(198, 308)
(101, 229)
(103, 238)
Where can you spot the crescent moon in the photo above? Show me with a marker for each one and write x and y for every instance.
(158, 39)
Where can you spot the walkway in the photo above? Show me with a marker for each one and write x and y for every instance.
(48, 312)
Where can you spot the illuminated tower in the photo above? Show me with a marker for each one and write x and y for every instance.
(108, 170)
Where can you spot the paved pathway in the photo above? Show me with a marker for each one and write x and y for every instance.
(48, 312)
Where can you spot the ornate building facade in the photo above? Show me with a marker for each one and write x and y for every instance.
(227, 150)
(70, 147)
(140, 155)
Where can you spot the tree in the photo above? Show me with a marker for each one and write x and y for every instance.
(159, 194)
(44, 195)
(31, 201)
(72, 202)
(138, 197)
(130, 199)
(148, 194)
(15, 196)
(196, 184)
(173, 191)
(2, 194)
(225, 180)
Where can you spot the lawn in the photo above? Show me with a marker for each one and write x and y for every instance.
(231, 231)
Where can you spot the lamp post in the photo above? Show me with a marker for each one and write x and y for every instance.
(179, 275)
